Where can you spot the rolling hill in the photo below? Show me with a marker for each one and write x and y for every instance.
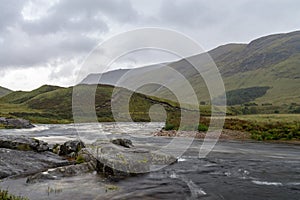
(52, 104)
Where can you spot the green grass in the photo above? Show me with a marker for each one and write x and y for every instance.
(4, 195)
(261, 127)
(269, 118)
(267, 127)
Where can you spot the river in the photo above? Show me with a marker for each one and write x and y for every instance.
(232, 170)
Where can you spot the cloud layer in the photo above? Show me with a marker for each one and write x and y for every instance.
(55, 36)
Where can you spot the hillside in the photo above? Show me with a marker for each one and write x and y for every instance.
(52, 104)
(271, 62)
(22, 96)
(4, 91)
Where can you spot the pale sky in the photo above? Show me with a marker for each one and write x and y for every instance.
(45, 42)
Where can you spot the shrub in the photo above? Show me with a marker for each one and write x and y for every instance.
(202, 127)
(169, 127)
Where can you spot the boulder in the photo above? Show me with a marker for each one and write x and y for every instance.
(122, 142)
(71, 148)
(119, 161)
(15, 123)
(23, 143)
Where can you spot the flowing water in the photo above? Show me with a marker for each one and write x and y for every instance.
(233, 170)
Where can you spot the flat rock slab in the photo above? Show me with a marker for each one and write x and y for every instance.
(23, 143)
(14, 162)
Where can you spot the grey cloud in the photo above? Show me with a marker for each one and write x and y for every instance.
(191, 13)
(10, 13)
(219, 22)
(82, 16)
(62, 32)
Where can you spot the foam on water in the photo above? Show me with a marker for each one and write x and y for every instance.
(181, 160)
(267, 183)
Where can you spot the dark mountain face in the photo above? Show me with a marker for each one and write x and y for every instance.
(110, 78)
(260, 53)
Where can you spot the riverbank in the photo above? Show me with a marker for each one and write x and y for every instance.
(226, 134)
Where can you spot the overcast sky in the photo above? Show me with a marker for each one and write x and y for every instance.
(45, 42)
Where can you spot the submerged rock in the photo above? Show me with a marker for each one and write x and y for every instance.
(23, 143)
(15, 123)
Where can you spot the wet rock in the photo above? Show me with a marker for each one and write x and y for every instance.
(23, 143)
(86, 155)
(118, 161)
(71, 148)
(14, 162)
(15, 123)
(62, 172)
(122, 142)
(88, 165)
(54, 148)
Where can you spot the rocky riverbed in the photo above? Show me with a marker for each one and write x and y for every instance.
(39, 162)
(232, 170)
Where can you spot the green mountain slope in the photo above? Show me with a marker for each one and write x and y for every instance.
(271, 61)
(4, 91)
(268, 62)
(51, 104)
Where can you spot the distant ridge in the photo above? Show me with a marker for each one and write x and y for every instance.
(4, 91)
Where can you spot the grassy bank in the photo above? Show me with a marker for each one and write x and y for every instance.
(268, 126)
(261, 127)
(4, 195)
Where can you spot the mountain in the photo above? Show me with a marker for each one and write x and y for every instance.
(263, 76)
(269, 65)
(4, 91)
